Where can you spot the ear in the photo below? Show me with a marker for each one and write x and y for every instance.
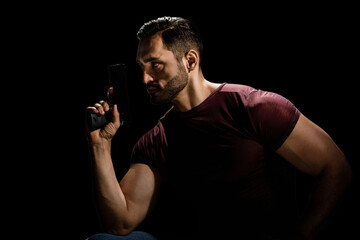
(192, 59)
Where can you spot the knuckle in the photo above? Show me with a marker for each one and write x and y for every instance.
(97, 105)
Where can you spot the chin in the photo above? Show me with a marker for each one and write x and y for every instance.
(158, 101)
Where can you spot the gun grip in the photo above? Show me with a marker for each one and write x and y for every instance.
(96, 121)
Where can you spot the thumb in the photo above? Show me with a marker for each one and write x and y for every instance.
(116, 116)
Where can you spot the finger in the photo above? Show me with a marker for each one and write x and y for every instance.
(100, 108)
(92, 109)
(105, 105)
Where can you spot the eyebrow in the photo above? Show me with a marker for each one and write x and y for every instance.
(146, 60)
(150, 59)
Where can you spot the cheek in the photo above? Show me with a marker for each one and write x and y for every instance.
(168, 73)
(164, 75)
(163, 78)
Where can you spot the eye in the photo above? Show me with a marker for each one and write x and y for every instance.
(155, 65)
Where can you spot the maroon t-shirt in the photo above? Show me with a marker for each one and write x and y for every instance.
(214, 156)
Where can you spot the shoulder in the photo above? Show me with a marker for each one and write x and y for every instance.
(237, 94)
(250, 97)
(269, 104)
(155, 135)
(152, 136)
(255, 99)
(149, 146)
(272, 116)
(239, 89)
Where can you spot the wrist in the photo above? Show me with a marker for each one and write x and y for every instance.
(101, 147)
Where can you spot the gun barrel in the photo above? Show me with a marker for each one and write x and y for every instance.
(118, 80)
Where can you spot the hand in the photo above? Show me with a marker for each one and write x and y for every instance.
(105, 134)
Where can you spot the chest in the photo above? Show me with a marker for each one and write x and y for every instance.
(212, 151)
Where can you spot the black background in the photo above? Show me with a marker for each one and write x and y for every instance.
(57, 59)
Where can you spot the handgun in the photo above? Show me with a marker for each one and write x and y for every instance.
(117, 79)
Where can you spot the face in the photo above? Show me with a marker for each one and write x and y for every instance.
(163, 75)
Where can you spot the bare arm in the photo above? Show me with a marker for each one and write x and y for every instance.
(122, 205)
(311, 150)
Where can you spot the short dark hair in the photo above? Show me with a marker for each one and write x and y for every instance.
(178, 34)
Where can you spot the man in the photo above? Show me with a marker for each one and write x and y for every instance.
(215, 149)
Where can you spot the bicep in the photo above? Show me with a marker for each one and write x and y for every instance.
(309, 148)
(140, 186)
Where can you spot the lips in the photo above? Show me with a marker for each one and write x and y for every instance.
(151, 89)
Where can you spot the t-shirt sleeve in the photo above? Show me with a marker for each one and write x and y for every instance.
(138, 154)
(148, 149)
(273, 117)
(142, 150)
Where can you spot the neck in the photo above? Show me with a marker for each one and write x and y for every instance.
(195, 92)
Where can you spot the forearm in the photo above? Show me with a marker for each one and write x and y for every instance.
(331, 185)
(111, 199)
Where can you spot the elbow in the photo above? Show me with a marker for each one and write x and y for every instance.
(121, 229)
(345, 171)
(341, 170)
(348, 174)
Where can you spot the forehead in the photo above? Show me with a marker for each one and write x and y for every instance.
(152, 47)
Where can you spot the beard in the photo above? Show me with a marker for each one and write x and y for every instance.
(172, 88)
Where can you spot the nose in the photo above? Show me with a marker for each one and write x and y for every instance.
(147, 78)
